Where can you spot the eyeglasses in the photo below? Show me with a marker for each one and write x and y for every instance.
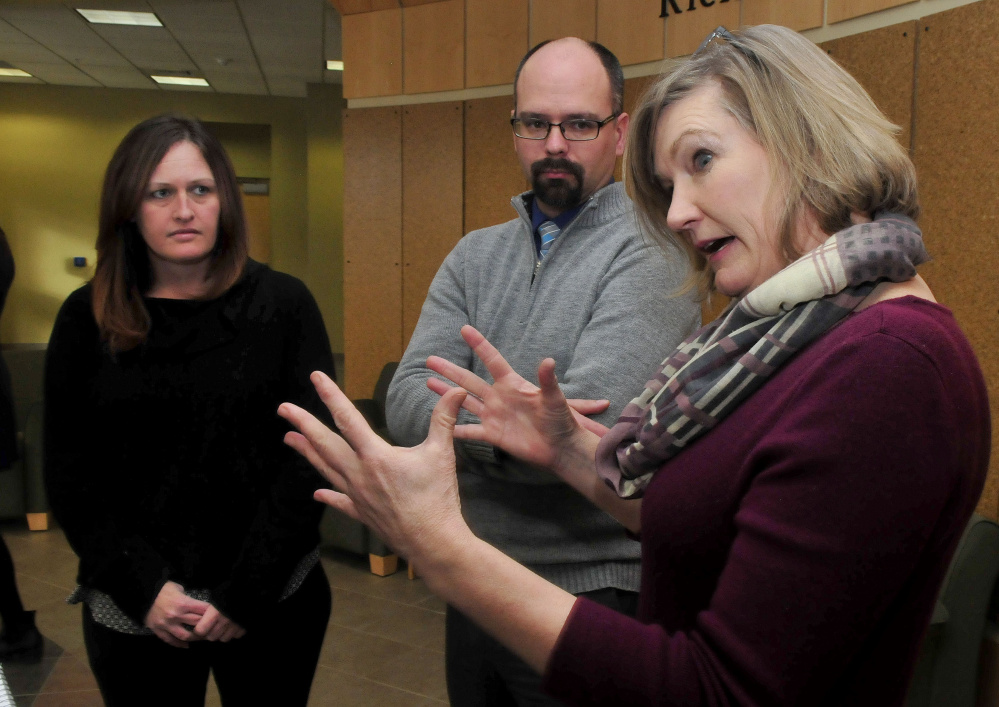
(577, 129)
(722, 33)
(719, 33)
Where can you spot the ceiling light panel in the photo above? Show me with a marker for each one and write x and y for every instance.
(179, 81)
(61, 39)
(116, 17)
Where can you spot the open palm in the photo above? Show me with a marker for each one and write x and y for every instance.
(534, 424)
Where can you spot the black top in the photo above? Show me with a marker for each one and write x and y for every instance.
(167, 462)
(8, 427)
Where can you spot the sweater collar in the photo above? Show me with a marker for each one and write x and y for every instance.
(605, 204)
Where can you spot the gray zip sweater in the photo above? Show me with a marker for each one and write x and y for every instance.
(602, 305)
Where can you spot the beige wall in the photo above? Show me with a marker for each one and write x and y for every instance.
(56, 141)
(325, 205)
(248, 146)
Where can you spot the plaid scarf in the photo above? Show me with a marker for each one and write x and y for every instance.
(713, 371)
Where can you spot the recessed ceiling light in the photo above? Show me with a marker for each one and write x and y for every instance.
(14, 72)
(179, 80)
(115, 17)
(334, 65)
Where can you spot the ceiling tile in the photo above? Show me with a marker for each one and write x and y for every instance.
(256, 47)
(60, 74)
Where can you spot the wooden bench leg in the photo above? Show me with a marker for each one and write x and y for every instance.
(38, 521)
(383, 565)
(411, 570)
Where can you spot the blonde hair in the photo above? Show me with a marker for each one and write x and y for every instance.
(833, 152)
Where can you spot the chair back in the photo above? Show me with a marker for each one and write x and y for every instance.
(946, 674)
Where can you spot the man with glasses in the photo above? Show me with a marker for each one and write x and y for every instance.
(570, 278)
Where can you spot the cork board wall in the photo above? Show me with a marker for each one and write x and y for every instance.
(433, 41)
(631, 29)
(492, 173)
(686, 31)
(839, 10)
(372, 49)
(957, 160)
(432, 199)
(883, 61)
(798, 15)
(552, 19)
(495, 40)
(372, 243)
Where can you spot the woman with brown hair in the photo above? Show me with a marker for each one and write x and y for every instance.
(799, 471)
(197, 538)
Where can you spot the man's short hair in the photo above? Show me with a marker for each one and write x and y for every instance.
(610, 63)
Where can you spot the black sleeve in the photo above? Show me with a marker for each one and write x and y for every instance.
(112, 559)
(286, 525)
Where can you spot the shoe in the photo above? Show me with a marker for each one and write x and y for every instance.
(23, 642)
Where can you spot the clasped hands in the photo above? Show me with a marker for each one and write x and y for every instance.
(409, 496)
(178, 619)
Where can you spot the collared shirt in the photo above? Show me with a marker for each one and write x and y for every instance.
(562, 220)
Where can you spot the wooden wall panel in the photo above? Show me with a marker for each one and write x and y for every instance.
(492, 172)
(634, 89)
(957, 160)
(839, 10)
(352, 7)
(632, 29)
(711, 308)
(258, 225)
(495, 40)
(686, 31)
(372, 54)
(434, 47)
(372, 245)
(884, 62)
(798, 15)
(432, 204)
(551, 19)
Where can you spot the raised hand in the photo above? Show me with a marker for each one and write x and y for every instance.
(408, 496)
(535, 424)
(172, 613)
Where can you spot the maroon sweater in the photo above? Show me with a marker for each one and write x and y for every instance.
(792, 556)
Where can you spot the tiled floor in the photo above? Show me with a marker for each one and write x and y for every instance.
(384, 646)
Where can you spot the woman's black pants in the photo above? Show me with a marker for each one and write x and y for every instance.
(273, 664)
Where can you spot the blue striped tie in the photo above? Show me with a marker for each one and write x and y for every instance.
(548, 232)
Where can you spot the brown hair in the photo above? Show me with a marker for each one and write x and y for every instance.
(832, 151)
(122, 276)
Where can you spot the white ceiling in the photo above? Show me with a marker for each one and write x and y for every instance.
(257, 47)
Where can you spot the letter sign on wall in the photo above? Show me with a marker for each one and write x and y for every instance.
(668, 4)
